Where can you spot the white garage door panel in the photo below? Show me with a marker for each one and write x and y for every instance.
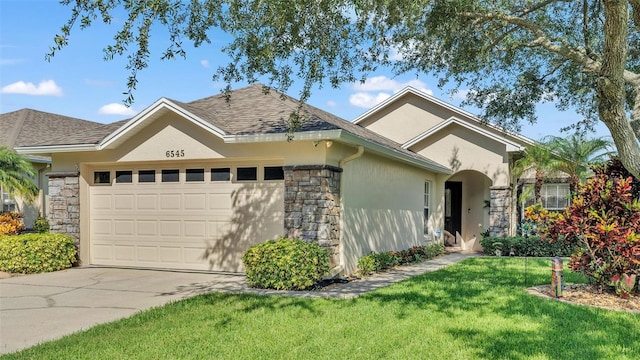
(182, 225)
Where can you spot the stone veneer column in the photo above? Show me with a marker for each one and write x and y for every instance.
(312, 206)
(500, 210)
(64, 204)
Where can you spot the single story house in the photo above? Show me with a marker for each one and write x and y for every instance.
(30, 127)
(192, 185)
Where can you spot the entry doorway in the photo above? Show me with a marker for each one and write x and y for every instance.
(453, 207)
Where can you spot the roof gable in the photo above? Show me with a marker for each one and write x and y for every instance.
(472, 121)
(148, 115)
(510, 145)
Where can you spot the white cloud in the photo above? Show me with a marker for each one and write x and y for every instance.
(366, 96)
(116, 109)
(331, 103)
(204, 63)
(366, 100)
(46, 88)
(4, 62)
(383, 83)
(460, 94)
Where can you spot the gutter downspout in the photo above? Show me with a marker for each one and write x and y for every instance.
(360, 150)
(352, 157)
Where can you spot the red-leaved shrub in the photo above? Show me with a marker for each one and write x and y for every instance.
(604, 220)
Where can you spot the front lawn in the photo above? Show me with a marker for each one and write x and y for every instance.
(477, 309)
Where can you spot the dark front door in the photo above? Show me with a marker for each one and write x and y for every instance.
(453, 207)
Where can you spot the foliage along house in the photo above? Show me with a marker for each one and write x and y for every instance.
(192, 185)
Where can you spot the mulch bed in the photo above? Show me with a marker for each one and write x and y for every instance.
(590, 295)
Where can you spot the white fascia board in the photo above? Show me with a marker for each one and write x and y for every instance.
(339, 135)
(511, 146)
(259, 138)
(50, 149)
(162, 103)
(394, 154)
(435, 100)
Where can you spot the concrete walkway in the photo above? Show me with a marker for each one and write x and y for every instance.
(43, 307)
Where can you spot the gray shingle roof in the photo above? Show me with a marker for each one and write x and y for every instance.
(248, 111)
(33, 127)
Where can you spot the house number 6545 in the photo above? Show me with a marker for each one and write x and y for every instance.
(174, 153)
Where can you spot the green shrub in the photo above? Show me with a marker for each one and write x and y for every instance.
(36, 253)
(41, 225)
(387, 259)
(366, 265)
(533, 246)
(285, 264)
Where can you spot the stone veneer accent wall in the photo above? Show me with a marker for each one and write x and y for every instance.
(64, 204)
(312, 206)
(500, 210)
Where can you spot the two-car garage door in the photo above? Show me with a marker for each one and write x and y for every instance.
(187, 222)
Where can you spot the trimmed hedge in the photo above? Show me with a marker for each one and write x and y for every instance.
(285, 264)
(532, 246)
(36, 253)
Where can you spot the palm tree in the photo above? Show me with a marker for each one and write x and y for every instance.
(575, 154)
(15, 175)
(539, 158)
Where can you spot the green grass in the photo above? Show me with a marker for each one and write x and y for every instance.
(477, 309)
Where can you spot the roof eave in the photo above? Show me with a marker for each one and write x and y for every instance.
(277, 137)
(391, 153)
(51, 149)
(510, 145)
(338, 135)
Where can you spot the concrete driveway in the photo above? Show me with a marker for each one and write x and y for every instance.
(42, 307)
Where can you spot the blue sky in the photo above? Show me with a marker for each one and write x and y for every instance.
(79, 83)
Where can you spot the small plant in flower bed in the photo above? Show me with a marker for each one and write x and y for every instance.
(11, 223)
(375, 262)
(285, 264)
(36, 253)
(533, 246)
(41, 225)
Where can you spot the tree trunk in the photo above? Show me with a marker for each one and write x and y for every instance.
(538, 187)
(611, 84)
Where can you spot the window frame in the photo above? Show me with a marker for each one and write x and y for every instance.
(192, 171)
(101, 183)
(426, 207)
(168, 172)
(120, 172)
(148, 172)
(228, 172)
(238, 179)
(545, 195)
(272, 167)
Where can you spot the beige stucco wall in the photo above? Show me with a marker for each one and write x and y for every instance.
(382, 207)
(406, 118)
(463, 149)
